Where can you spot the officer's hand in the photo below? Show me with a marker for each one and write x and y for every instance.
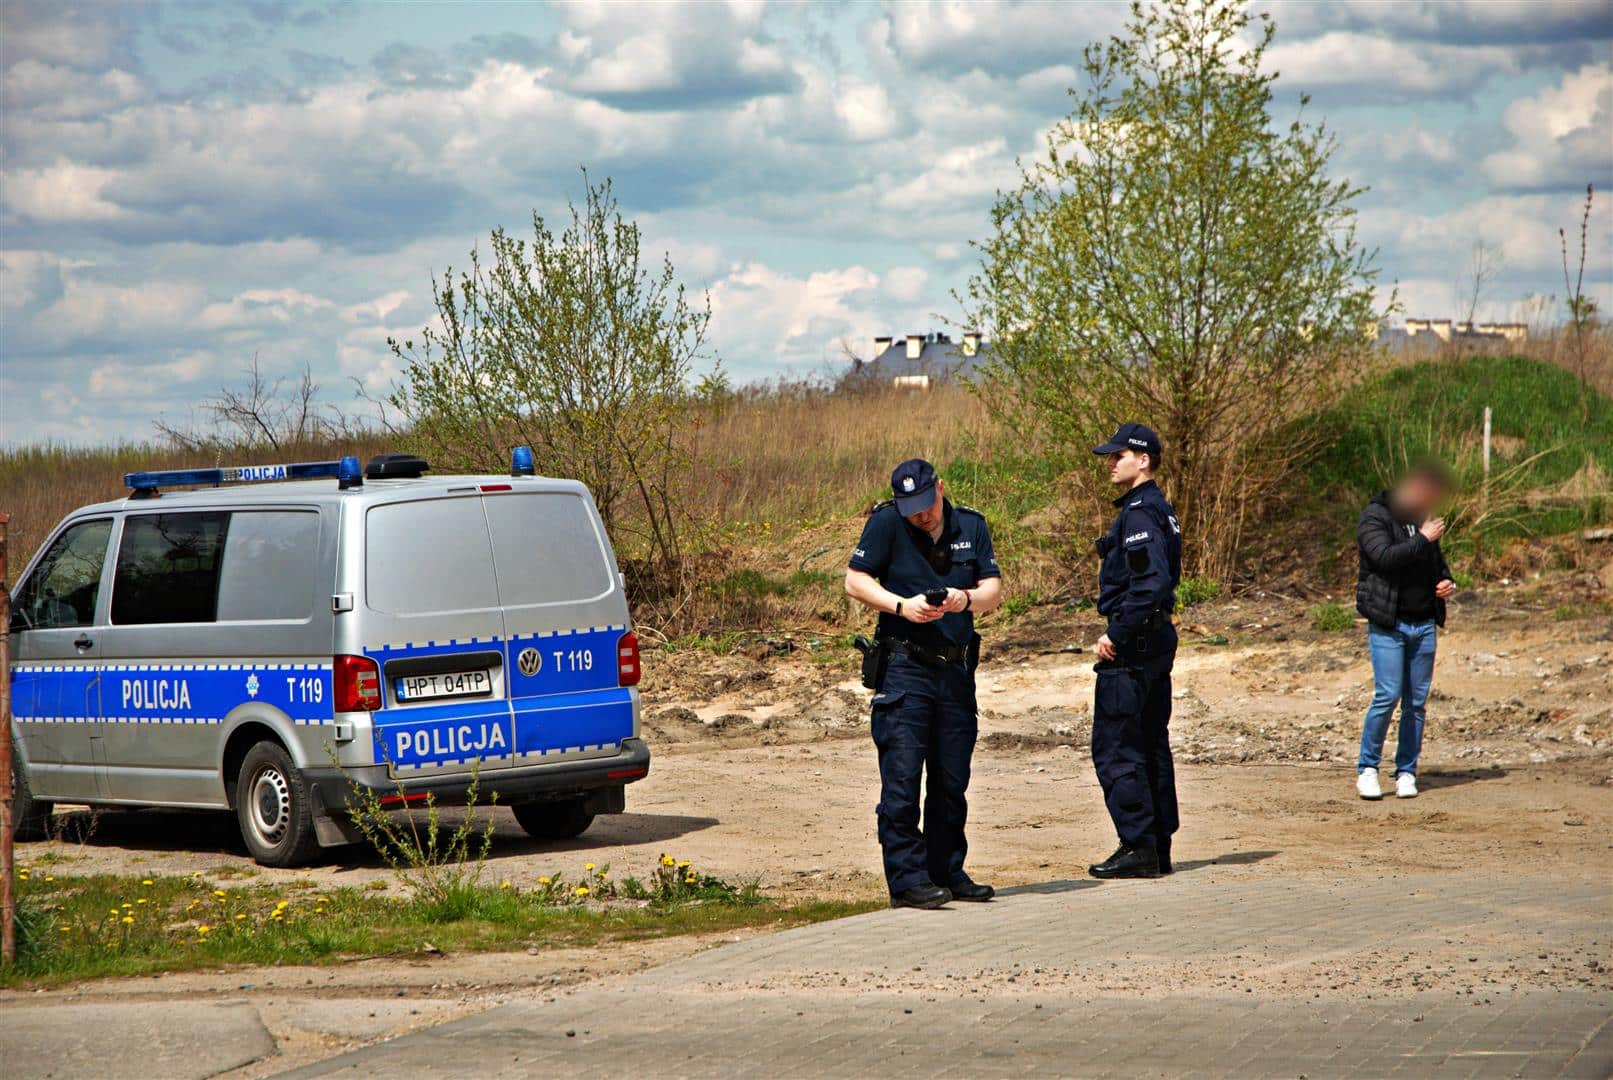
(916, 609)
(1433, 529)
(1445, 589)
(957, 600)
(1104, 648)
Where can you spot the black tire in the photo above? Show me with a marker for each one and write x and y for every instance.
(558, 820)
(274, 809)
(33, 815)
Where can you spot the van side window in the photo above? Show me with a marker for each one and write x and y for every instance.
(63, 587)
(168, 568)
(270, 558)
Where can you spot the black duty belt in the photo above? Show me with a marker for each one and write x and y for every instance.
(928, 655)
(1154, 621)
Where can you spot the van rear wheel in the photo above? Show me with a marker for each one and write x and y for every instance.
(33, 816)
(558, 820)
(274, 808)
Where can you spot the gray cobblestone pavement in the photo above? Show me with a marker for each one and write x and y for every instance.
(1206, 973)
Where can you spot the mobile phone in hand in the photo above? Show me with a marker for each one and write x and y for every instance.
(935, 597)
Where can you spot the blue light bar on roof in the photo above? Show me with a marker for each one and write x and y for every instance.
(307, 470)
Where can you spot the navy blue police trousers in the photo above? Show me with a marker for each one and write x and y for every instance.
(1131, 747)
(924, 722)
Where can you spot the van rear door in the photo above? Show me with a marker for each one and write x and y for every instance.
(434, 627)
(565, 617)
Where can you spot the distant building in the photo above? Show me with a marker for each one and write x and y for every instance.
(1445, 331)
(919, 361)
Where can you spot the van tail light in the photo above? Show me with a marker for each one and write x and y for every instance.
(358, 684)
(627, 665)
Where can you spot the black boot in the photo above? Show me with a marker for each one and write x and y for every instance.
(1163, 850)
(1128, 862)
(971, 891)
(926, 896)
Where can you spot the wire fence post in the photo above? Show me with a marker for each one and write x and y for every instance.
(8, 823)
(1485, 495)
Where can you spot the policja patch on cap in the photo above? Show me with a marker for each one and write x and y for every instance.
(1132, 437)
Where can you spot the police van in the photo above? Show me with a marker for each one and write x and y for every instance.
(272, 647)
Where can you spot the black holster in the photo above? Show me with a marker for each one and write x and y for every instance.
(876, 658)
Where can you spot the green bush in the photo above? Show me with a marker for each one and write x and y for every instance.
(1330, 616)
(1192, 590)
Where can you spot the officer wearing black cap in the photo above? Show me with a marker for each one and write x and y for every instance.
(1142, 564)
(926, 565)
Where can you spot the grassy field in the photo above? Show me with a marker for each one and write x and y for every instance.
(775, 467)
(80, 927)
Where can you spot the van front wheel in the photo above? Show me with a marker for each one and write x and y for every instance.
(274, 809)
(32, 816)
(558, 820)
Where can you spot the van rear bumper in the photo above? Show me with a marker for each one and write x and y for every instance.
(334, 789)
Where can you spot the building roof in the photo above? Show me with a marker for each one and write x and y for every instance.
(939, 356)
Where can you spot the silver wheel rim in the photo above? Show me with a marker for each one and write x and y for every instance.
(269, 808)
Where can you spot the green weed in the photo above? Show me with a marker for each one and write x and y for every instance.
(1193, 590)
(1330, 616)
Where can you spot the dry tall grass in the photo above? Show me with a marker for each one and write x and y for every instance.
(788, 458)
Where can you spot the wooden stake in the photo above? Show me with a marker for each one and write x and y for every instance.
(1486, 492)
(8, 824)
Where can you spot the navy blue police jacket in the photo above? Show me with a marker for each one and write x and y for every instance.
(1142, 562)
(907, 562)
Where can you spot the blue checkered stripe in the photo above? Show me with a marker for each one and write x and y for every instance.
(571, 706)
(167, 694)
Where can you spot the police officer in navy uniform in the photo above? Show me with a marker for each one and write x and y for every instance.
(1142, 564)
(924, 714)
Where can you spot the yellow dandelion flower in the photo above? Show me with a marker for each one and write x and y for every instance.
(143, 900)
(148, 881)
(684, 865)
(23, 873)
(50, 877)
(504, 885)
(588, 866)
(196, 873)
(127, 905)
(127, 919)
(65, 928)
(220, 893)
(203, 929)
(543, 881)
(116, 912)
(690, 880)
(241, 916)
(580, 890)
(667, 860)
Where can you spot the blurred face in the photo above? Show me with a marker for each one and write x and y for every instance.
(1418, 496)
(930, 520)
(1125, 466)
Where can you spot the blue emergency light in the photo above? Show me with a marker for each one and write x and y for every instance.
(522, 463)
(348, 471)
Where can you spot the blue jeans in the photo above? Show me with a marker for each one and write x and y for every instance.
(1402, 671)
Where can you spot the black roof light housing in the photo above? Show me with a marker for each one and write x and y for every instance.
(395, 467)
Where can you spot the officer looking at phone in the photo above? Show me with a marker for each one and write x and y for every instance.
(926, 565)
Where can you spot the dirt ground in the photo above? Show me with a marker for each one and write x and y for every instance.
(763, 771)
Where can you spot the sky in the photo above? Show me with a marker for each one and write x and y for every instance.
(185, 186)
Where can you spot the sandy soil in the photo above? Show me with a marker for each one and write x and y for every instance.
(763, 771)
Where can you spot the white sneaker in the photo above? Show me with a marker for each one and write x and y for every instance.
(1366, 784)
(1405, 786)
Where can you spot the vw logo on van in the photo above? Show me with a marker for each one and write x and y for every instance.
(530, 661)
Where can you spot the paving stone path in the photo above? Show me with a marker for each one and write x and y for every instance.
(1207, 973)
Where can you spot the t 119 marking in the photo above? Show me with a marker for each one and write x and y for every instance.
(573, 660)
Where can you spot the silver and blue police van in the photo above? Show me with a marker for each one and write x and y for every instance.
(274, 642)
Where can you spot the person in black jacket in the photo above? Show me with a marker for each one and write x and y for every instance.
(1401, 588)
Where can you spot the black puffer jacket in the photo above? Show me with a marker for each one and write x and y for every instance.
(1385, 552)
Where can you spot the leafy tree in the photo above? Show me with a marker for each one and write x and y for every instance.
(1176, 258)
(570, 344)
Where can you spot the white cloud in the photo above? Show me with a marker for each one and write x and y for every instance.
(1561, 136)
(905, 282)
(1382, 67)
